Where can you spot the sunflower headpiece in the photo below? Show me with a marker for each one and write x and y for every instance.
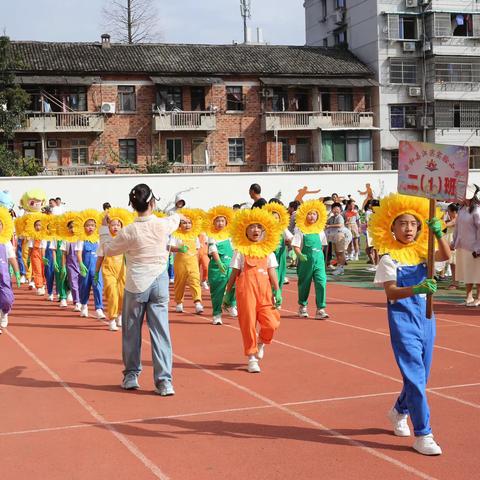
(281, 211)
(62, 226)
(122, 215)
(196, 216)
(7, 222)
(81, 219)
(271, 238)
(20, 225)
(159, 214)
(51, 227)
(301, 216)
(29, 228)
(209, 225)
(381, 222)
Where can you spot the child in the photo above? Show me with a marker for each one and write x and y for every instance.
(255, 237)
(307, 243)
(35, 231)
(452, 211)
(184, 243)
(280, 213)
(398, 232)
(339, 236)
(218, 224)
(203, 260)
(370, 250)
(113, 269)
(21, 244)
(86, 229)
(352, 222)
(7, 256)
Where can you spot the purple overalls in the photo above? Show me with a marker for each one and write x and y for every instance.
(73, 272)
(6, 292)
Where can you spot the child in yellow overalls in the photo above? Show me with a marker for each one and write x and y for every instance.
(113, 269)
(256, 234)
(184, 243)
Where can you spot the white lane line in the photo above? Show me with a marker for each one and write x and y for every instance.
(99, 418)
(309, 421)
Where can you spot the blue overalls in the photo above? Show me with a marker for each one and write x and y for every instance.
(21, 265)
(50, 270)
(412, 336)
(89, 258)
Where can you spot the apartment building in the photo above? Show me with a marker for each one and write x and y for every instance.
(426, 55)
(104, 106)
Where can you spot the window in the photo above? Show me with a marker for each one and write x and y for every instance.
(325, 42)
(457, 115)
(403, 71)
(346, 147)
(279, 100)
(301, 101)
(339, 3)
(340, 37)
(325, 99)
(324, 9)
(198, 98)
(235, 99)
(475, 157)
(79, 152)
(456, 25)
(394, 160)
(128, 151)
(403, 116)
(126, 99)
(403, 27)
(457, 72)
(345, 100)
(75, 99)
(236, 150)
(285, 146)
(174, 150)
(170, 98)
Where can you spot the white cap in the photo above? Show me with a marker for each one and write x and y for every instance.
(471, 190)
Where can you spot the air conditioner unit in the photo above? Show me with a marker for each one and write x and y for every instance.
(339, 16)
(409, 46)
(414, 91)
(52, 143)
(411, 3)
(425, 122)
(108, 107)
(427, 46)
(267, 92)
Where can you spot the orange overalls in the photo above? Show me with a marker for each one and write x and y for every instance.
(203, 258)
(254, 303)
(36, 263)
(186, 271)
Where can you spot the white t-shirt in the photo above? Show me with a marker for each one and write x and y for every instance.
(287, 235)
(9, 250)
(53, 246)
(43, 244)
(298, 239)
(238, 261)
(177, 242)
(212, 245)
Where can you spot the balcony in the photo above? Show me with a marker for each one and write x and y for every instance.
(193, 121)
(274, 121)
(62, 122)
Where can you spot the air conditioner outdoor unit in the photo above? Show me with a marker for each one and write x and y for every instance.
(414, 91)
(108, 107)
(339, 16)
(409, 46)
(267, 92)
(425, 122)
(411, 3)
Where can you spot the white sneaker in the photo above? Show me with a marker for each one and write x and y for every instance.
(198, 308)
(355, 258)
(232, 311)
(399, 423)
(84, 311)
(205, 285)
(338, 271)
(63, 303)
(217, 320)
(77, 307)
(112, 326)
(302, 311)
(179, 308)
(69, 297)
(321, 314)
(286, 281)
(261, 350)
(426, 445)
(23, 279)
(372, 269)
(41, 291)
(100, 314)
(4, 320)
(253, 366)
(50, 297)
(31, 285)
(119, 321)
(172, 280)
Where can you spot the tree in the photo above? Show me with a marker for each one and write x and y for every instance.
(132, 21)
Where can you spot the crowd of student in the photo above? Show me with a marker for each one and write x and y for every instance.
(240, 256)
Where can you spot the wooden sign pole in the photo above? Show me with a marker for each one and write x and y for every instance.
(431, 259)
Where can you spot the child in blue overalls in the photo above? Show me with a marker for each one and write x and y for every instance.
(87, 260)
(412, 333)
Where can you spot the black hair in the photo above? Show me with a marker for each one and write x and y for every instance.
(475, 201)
(255, 188)
(325, 199)
(106, 206)
(275, 200)
(336, 204)
(294, 204)
(58, 198)
(140, 196)
(350, 201)
(236, 206)
(375, 203)
(453, 207)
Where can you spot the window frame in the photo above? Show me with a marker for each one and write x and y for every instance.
(407, 109)
(173, 141)
(124, 97)
(127, 147)
(402, 64)
(239, 143)
(238, 105)
(78, 145)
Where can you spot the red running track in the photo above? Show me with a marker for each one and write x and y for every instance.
(317, 410)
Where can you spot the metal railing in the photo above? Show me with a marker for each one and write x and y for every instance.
(319, 167)
(461, 72)
(67, 122)
(184, 121)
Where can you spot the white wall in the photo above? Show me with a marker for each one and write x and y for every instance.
(80, 192)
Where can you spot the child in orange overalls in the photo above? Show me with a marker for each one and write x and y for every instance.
(34, 229)
(255, 236)
(184, 243)
(203, 260)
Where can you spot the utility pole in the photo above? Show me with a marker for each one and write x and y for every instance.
(245, 12)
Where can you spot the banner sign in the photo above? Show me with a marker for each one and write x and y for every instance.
(438, 172)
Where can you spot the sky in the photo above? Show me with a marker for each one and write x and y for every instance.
(181, 21)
